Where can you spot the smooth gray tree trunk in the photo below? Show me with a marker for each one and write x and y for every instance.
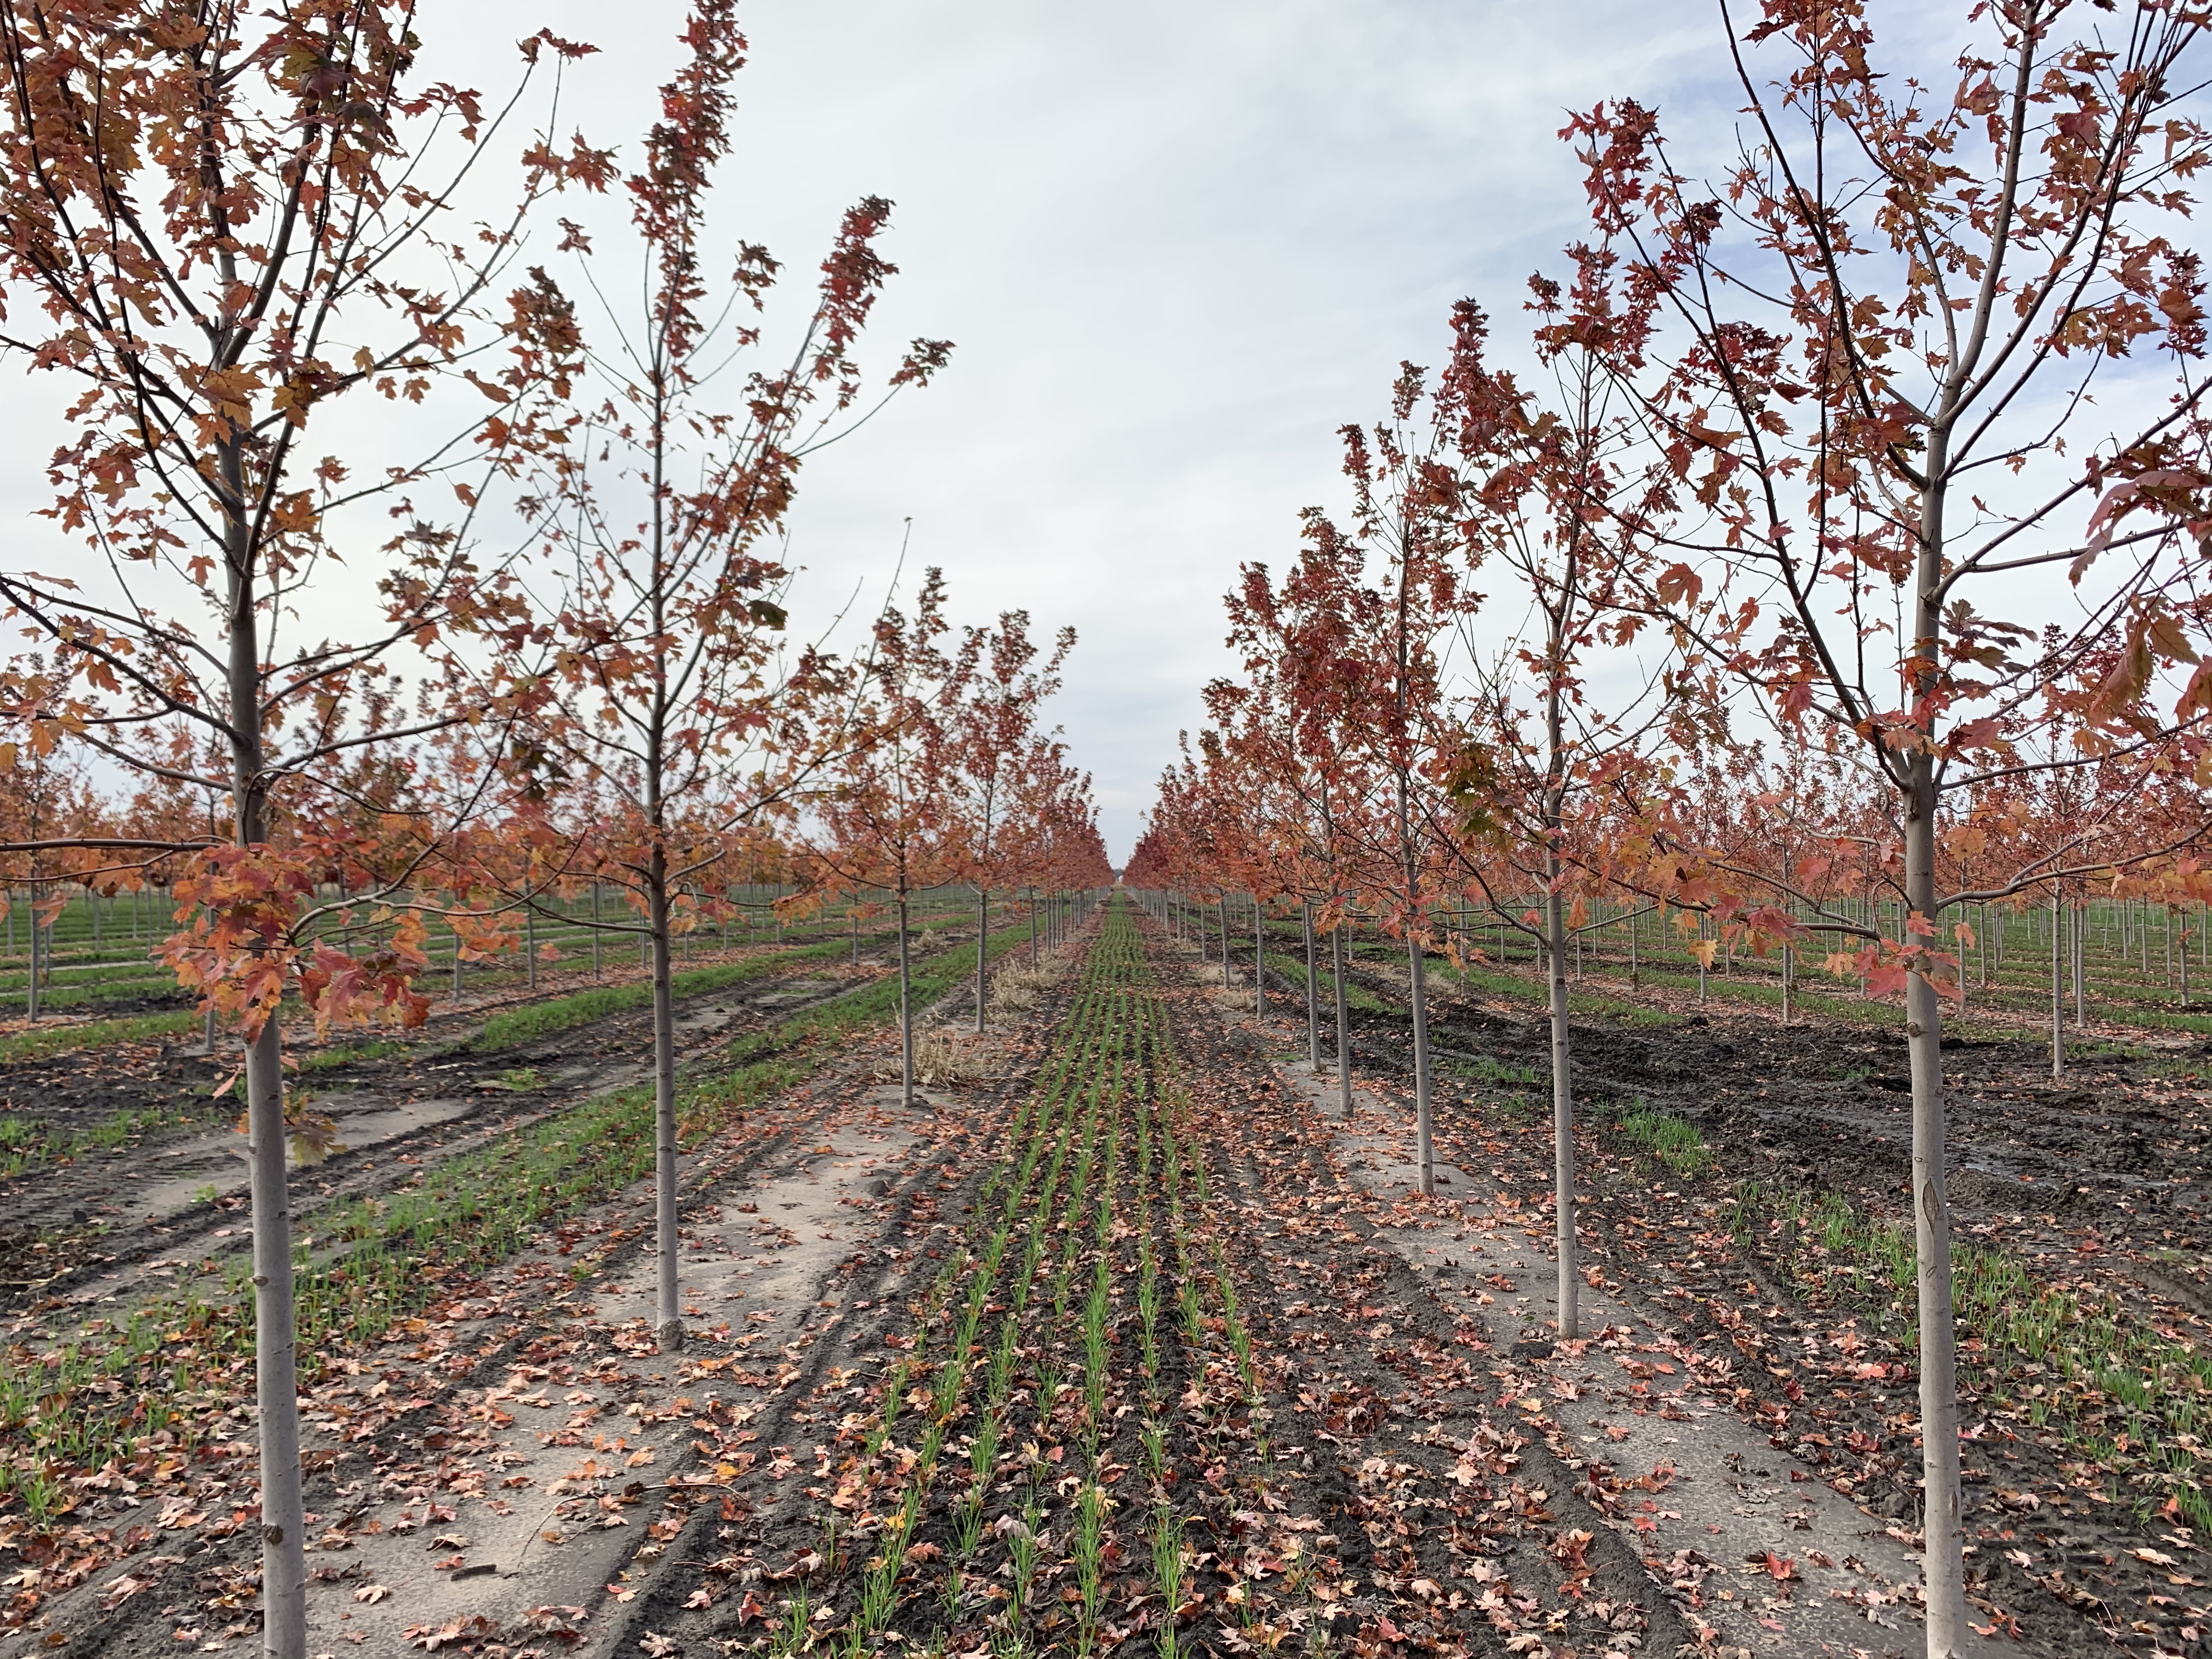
(1425, 1144)
(2058, 988)
(1343, 1021)
(906, 1007)
(1313, 999)
(1944, 1560)
(276, 1359)
(982, 952)
(1259, 958)
(1563, 1106)
(668, 1311)
(275, 1374)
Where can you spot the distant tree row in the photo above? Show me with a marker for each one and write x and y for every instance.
(1827, 568)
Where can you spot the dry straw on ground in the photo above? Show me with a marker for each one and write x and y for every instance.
(1018, 990)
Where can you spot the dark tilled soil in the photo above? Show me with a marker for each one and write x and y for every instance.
(1376, 1451)
(2119, 1152)
(1387, 1411)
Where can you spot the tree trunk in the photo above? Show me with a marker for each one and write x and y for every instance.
(2057, 987)
(668, 1312)
(1313, 1000)
(34, 952)
(906, 1007)
(1227, 981)
(1424, 1142)
(1563, 1103)
(597, 938)
(530, 934)
(275, 1377)
(1343, 1021)
(1259, 958)
(1944, 1561)
(1033, 931)
(2080, 968)
(982, 952)
(1425, 1146)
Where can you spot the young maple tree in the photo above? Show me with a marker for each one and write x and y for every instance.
(1409, 497)
(1865, 359)
(881, 818)
(664, 695)
(1052, 834)
(1541, 775)
(1291, 726)
(995, 747)
(219, 227)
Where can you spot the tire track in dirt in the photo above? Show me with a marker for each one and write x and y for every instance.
(1829, 1386)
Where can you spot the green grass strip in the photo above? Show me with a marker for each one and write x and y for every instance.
(1672, 1140)
(1356, 997)
(2097, 1358)
(39, 1044)
(505, 1031)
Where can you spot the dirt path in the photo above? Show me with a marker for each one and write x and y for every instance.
(518, 1449)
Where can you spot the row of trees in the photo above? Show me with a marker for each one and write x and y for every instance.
(412, 576)
(1877, 436)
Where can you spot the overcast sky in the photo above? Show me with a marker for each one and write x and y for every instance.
(1177, 244)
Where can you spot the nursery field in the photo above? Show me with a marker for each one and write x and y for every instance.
(1124, 1340)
